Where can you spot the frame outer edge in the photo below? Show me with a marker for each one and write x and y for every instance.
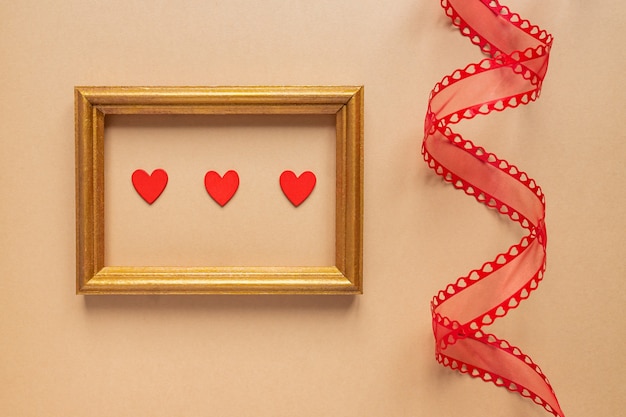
(358, 158)
(84, 194)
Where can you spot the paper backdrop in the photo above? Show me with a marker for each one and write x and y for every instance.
(365, 356)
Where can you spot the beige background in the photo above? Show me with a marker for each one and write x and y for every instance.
(369, 355)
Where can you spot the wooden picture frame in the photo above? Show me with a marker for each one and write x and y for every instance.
(93, 104)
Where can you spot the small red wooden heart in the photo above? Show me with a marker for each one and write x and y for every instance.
(221, 189)
(149, 186)
(297, 189)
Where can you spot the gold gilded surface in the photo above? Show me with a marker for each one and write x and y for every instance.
(92, 104)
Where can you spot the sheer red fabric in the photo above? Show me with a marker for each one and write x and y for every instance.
(512, 75)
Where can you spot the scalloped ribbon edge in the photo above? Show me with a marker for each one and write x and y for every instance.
(530, 65)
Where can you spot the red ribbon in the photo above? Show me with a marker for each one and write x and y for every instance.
(512, 75)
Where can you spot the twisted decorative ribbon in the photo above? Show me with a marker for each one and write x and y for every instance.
(512, 75)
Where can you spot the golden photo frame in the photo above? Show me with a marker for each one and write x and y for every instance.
(93, 104)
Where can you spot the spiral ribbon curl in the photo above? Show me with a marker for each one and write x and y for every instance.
(512, 75)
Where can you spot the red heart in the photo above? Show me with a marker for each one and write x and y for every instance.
(221, 189)
(297, 189)
(149, 187)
